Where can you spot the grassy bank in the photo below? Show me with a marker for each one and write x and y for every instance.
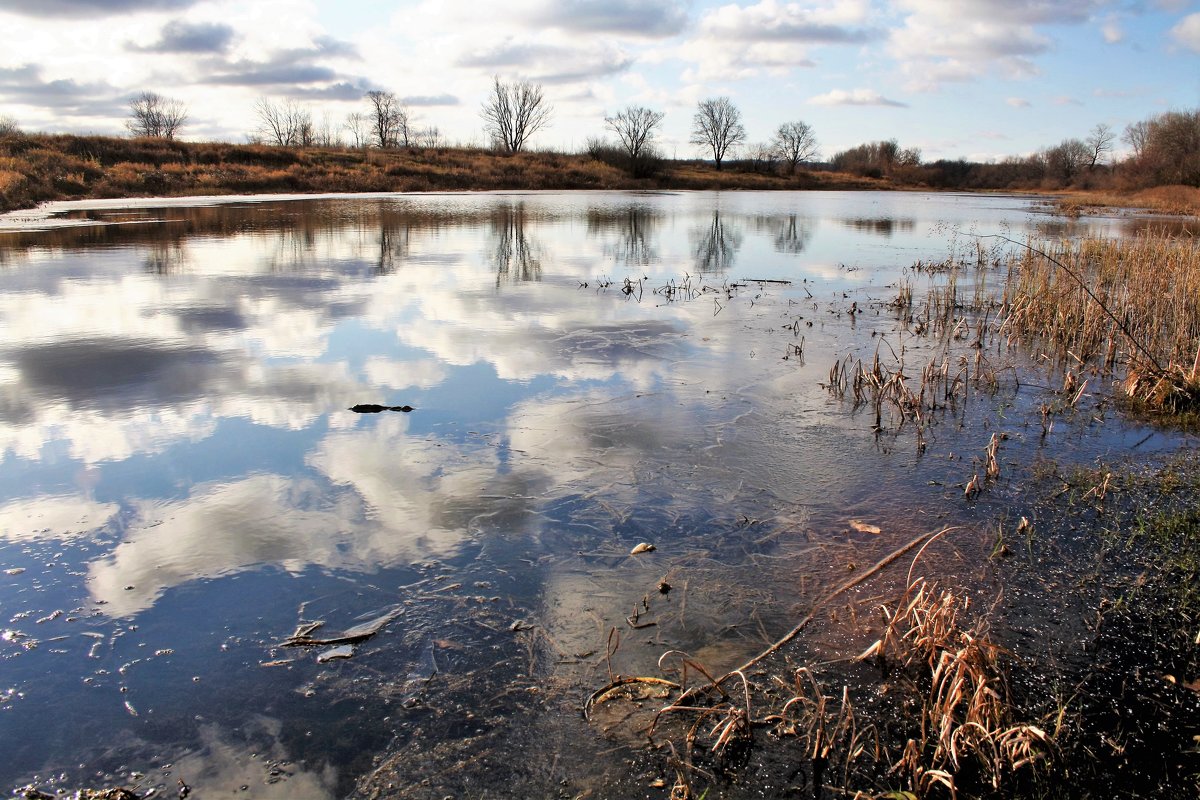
(1169, 200)
(40, 168)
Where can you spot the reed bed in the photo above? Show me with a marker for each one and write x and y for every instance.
(1121, 304)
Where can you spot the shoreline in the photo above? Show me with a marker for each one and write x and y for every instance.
(40, 168)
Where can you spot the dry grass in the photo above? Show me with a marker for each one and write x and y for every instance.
(1172, 200)
(957, 675)
(39, 167)
(1132, 304)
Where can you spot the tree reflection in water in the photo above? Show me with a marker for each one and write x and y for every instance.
(635, 228)
(515, 256)
(790, 234)
(715, 246)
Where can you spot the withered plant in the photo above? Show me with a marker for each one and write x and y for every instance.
(957, 675)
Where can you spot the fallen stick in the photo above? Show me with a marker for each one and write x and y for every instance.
(924, 540)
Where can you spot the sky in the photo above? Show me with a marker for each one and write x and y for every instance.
(976, 79)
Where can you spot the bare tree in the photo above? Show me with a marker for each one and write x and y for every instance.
(284, 124)
(1099, 143)
(635, 128)
(1137, 135)
(156, 116)
(514, 112)
(389, 120)
(795, 143)
(1066, 159)
(360, 129)
(9, 126)
(717, 126)
(761, 155)
(430, 138)
(327, 133)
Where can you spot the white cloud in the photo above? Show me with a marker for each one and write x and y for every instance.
(1112, 31)
(768, 20)
(1187, 32)
(856, 97)
(1018, 102)
(962, 40)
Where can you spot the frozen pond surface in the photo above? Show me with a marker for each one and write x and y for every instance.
(183, 483)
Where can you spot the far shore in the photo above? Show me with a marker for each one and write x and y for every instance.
(41, 168)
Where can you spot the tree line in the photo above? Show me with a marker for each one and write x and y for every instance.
(512, 114)
(1163, 149)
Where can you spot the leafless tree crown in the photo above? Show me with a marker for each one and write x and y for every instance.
(285, 123)
(151, 114)
(1099, 141)
(635, 128)
(514, 112)
(359, 128)
(389, 120)
(795, 143)
(717, 126)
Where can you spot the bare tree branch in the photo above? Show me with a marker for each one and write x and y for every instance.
(389, 120)
(1099, 142)
(284, 124)
(795, 143)
(635, 127)
(514, 112)
(156, 116)
(718, 127)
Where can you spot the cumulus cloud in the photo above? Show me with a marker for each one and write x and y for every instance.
(179, 36)
(740, 42)
(636, 18)
(25, 85)
(857, 97)
(769, 20)
(430, 100)
(1187, 32)
(961, 40)
(549, 63)
(293, 66)
(90, 8)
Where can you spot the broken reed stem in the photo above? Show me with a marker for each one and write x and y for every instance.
(922, 541)
(1082, 284)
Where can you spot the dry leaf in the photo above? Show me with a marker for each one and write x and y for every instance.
(644, 547)
(865, 527)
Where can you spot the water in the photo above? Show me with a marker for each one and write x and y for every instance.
(182, 482)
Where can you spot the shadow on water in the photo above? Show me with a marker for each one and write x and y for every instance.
(184, 483)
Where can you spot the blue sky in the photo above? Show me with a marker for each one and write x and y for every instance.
(968, 78)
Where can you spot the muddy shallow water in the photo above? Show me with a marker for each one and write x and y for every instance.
(183, 482)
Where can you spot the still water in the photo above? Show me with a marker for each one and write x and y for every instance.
(183, 482)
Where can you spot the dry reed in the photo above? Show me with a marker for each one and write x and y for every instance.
(1131, 304)
(957, 674)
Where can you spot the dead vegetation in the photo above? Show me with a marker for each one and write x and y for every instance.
(958, 730)
(1174, 200)
(36, 168)
(1126, 305)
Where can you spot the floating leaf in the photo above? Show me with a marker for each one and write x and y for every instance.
(644, 547)
(865, 527)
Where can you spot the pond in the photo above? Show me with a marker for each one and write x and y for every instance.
(185, 482)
